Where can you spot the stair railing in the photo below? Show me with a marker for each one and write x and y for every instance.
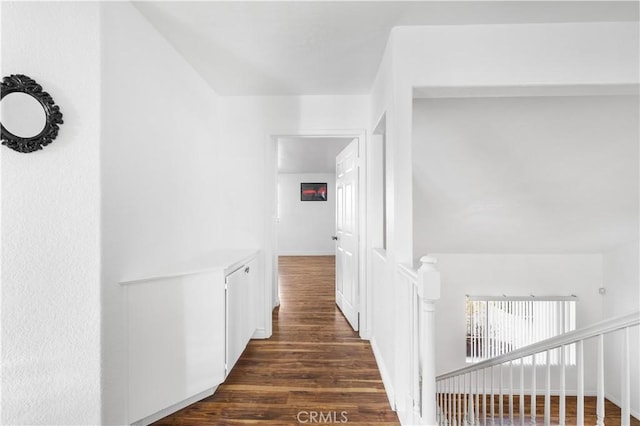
(423, 291)
(463, 395)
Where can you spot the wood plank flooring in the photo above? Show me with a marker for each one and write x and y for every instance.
(314, 368)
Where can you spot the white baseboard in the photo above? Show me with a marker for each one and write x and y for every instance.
(384, 373)
(407, 415)
(616, 401)
(404, 418)
(260, 333)
(175, 407)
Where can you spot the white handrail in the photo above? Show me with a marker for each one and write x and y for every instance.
(603, 327)
(561, 343)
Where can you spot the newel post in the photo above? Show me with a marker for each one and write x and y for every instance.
(428, 292)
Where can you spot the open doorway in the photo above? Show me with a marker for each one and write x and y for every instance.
(297, 227)
(306, 195)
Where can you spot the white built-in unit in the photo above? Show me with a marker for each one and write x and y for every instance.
(186, 330)
(240, 285)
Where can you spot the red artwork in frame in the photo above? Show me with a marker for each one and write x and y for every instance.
(313, 191)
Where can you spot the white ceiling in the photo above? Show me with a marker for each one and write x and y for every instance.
(328, 47)
(310, 154)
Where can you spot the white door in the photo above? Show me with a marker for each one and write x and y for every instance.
(347, 233)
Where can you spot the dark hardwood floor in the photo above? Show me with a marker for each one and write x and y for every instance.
(315, 365)
(314, 369)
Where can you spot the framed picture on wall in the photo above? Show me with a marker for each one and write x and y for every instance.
(313, 191)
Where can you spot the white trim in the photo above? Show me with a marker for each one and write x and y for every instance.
(526, 90)
(530, 298)
(364, 311)
(260, 333)
(220, 260)
(384, 373)
(175, 407)
(271, 297)
(405, 416)
(270, 215)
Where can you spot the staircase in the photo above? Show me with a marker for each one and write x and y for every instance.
(496, 391)
(514, 388)
(612, 416)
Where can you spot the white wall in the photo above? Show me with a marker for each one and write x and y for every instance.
(513, 275)
(380, 264)
(531, 175)
(545, 174)
(497, 56)
(518, 55)
(248, 163)
(621, 279)
(305, 227)
(162, 189)
(247, 123)
(51, 223)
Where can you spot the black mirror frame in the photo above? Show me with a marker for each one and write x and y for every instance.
(53, 116)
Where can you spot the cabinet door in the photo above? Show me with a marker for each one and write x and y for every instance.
(254, 295)
(237, 285)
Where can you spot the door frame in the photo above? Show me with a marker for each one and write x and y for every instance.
(271, 222)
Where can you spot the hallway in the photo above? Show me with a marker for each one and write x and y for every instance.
(313, 368)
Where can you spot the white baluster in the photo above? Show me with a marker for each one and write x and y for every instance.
(533, 389)
(459, 398)
(443, 398)
(562, 385)
(454, 400)
(484, 397)
(493, 421)
(501, 400)
(439, 403)
(521, 401)
(464, 398)
(600, 373)
(625, 419)
(445, 394)
(454, 405)
(448, 401)
(471, 418)
(473, 332)
(445, 402)
(580, 371)
(429, 291)
(477, 397)
(547, 396)
(511, 392)
(485, 342)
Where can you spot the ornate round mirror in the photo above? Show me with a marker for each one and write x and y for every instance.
(29, 118)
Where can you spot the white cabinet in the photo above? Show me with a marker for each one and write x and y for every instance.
(185, 331)
(241, 310)
(175, 340)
